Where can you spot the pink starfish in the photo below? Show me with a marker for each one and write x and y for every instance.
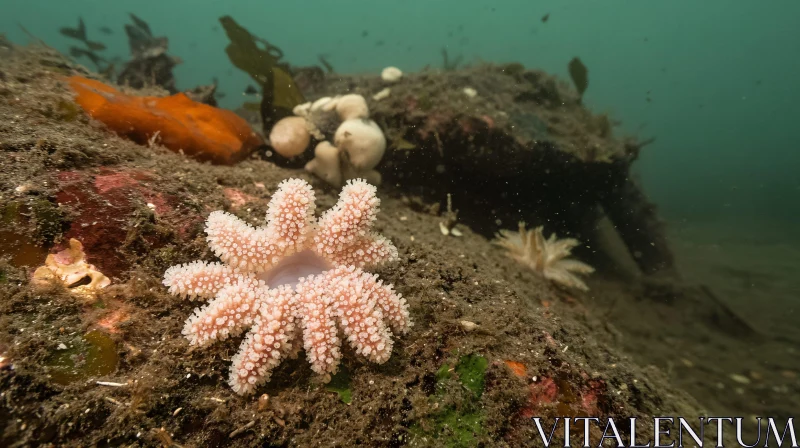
(293, 276)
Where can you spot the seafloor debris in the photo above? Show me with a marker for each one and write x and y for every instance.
(549, 256)
(203, 94)
(70, 268)
(91, 49)
(383, 94)
(448, 226)
(196, 129)
(295, 276)
(150, 64)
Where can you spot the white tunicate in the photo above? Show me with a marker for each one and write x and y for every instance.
(391, 74)
(363, 141)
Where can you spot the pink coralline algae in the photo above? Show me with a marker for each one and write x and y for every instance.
(295, 276)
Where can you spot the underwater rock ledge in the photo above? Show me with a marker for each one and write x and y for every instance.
(500, 139)
(447, 383)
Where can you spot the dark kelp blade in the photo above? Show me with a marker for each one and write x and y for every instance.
(76, 52)
(251, 106)
(261, 60)
(70, 32)
(323, 59)
(579, 74)
(141, 24)
(95, 46)
(244, 52)
(80, 52)
(286, 93)
(78, 33)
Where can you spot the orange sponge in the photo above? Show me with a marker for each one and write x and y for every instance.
(196, 129)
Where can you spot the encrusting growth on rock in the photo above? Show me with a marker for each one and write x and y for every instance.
(70, 268)
(549, 257)
(295, 277)
(198, 130)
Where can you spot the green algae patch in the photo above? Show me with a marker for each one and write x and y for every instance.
(94, 354)
(471, 371)
(340, 384)
(459, 421)
(28, 230)
(18, 244)
(453, 429)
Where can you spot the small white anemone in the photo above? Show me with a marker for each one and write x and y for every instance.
(326, 164)
(391, 74)
(290, 137)
(352, 106)
(363, 141)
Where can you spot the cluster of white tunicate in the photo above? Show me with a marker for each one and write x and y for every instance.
(358, 142)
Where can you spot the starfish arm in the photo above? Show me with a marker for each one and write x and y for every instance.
(366, 252)
(320, 339)
(354, 294)
(290, 213)
(349, 220)
(393, 306)
(289, 222)
(234, 309)
(199, 279)
(267, 343)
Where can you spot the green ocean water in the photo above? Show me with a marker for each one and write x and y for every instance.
(720, 76)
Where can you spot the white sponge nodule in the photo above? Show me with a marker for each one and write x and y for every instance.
(363, 141)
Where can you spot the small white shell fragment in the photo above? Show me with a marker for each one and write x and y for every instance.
(383, 94)
(470, 92)
(741, 379)
(391, 74)
(467, 325)
(110, 383)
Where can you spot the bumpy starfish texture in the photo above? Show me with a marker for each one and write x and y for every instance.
(295, 278)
